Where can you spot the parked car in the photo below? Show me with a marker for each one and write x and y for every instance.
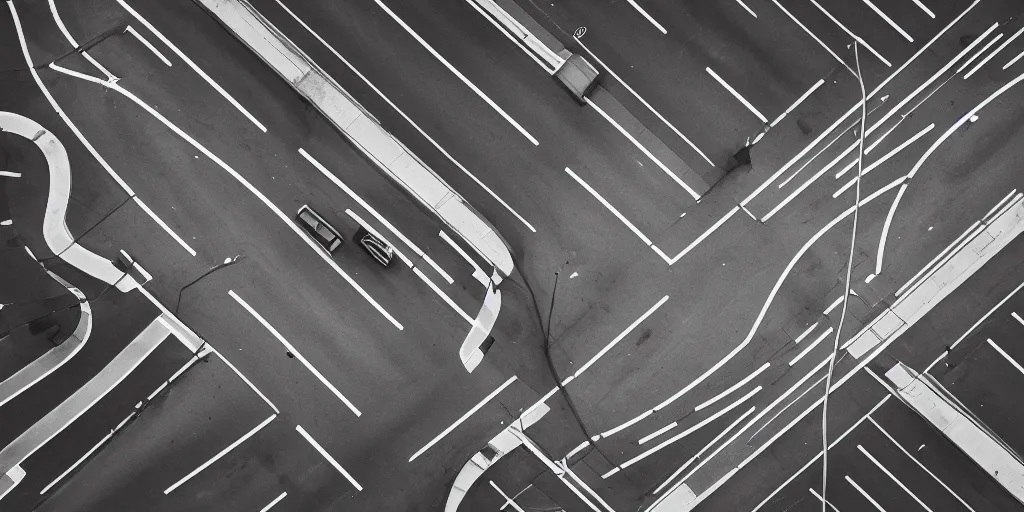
(376, 246)
(318, 229)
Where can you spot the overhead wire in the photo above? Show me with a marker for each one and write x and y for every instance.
(849, 273)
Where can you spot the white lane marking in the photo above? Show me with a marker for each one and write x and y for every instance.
(7, 222)
(624, 426)
(10, 174)
(925, 9)
(816, 457)
(892, 477)
(658, 432)
(1014, 60)
(737, 95)
(634, 229)
(598, 356)
(851, 34)
(60, 112)
(644, 102)
(865, 494)
(917, 167)
(771, 296)
(67, 35)
(889, 20)
(165, 227)
(1017, 317)
(975, 326)
(131, 30)
(444, 275)
(274, 502)
(806, 333)
(998, 206)
(983, 49)
(704, 235)
(664, 168)
(877, 163)
(366, 206)
(856, 107)
(994, 53)
(245, 183)
(804, 96)
(787, 406)
(323, 452)
(223, 452)
(823, 500)
(373, 231)
(508, 500)
(444, 296)
(407, 118)
(933, 78)
(811, 346)
(457, 73)
(804, 186)
(1006, 356)
(648, 16)
(732, 388)
(688, 431)
(585, 487)
(745, 6)
(619, 338)
(919, 464)
(956, 243)
(245, 379)
(576, 450)
(273, 331)
(87, 455)
(517, 39)
(464, 417)
(478, 273)
(808, 31)
(834, 305)
(706, 447)
(193, 65)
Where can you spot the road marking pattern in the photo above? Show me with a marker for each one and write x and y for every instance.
(811, 346)
(464, 417)
(647, 16)
(274, 502)
(732, 388)
(892, 477)
(142, 39)
(864, 494)
(1006, 356)
(889, 20)
(323, 452)
(851, 34)
(804, 96)
(291, 348)
(737, 95)
(220, 454)
(508, 500)
(994, 53)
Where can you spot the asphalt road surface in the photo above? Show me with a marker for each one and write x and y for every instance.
(358, 365)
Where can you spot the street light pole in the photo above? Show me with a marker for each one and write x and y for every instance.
(224, 264)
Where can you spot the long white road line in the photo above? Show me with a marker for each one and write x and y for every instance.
(273, 502)
(786, 407)
(664, 168)
(805, 185)
(816, 457)
(508, 500)
(917, 167)
(736, 94)
(889, 20)
(1017, 317)
(647, 16)
(1006, 356)
(855, 108)
(71, 40)
(970, 331)
(811, 346)
(864, 494)
(874, 165)
(145, 42)
(919, 464)
(463, 418)
(245, 183)
(330, 459)
(851, 34)
(747, 7)
(74, 129)
(804, 96)
(193, 65)
(925, 8)
(220, 454)
(622, 218)
(983, 49)
(994, 53)
(822, 499)
(684, 433)
(644, 102)
(892, 477)
(963, 238)
(1013, 60)
(704, 235)
(407, 118)
(706, 447)
(457, 73)
(764, 309)
(813, 36)
(711, 401)
(291, 348)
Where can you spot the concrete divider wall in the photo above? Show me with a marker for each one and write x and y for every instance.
(360, 127)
